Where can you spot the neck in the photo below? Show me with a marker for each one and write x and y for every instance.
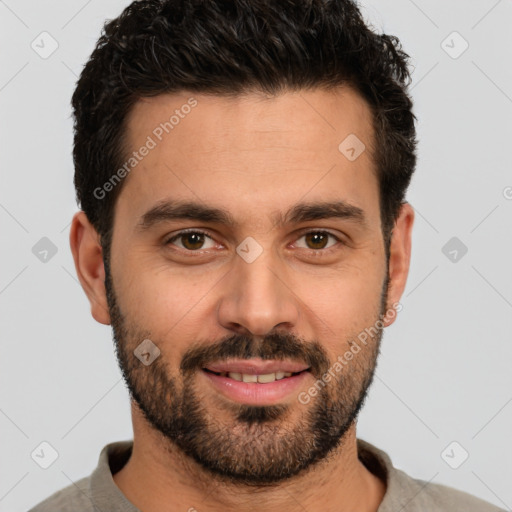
(155, 479)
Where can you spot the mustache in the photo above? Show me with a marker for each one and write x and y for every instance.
(278, 346)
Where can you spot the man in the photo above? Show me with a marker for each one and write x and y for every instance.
(241, 169)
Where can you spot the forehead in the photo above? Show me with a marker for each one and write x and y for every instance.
(250, 152)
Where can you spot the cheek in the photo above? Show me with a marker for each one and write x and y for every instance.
(344, 308)
(163, 300)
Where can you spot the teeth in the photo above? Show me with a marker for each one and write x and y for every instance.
(268, 377)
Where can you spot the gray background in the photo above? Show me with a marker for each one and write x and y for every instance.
(444, 373)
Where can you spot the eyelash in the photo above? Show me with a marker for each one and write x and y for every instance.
(199, 231)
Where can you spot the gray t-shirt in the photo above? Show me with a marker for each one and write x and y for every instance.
(99, 493)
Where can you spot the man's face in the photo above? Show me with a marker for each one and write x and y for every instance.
(266, 287)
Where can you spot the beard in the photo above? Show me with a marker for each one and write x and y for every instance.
(256, 446)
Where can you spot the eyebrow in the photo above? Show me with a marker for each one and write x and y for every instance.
(169, 210)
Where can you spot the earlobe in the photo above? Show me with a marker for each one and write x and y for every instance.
(399, 258)
(88, 257)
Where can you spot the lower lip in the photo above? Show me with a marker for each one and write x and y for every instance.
(255, 393)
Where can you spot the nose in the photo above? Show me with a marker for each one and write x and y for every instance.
(257, 298)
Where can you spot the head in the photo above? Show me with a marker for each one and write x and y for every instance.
(281, 137)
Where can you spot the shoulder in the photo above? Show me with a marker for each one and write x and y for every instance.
(423, 495)
(409, 494)
(73, 498)
(96, 491)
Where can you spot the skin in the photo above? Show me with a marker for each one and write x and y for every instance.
(251, 155)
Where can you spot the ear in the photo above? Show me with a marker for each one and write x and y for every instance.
(88, 256)
(399, 258)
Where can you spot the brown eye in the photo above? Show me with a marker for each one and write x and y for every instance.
(318, 240)
(190, 240)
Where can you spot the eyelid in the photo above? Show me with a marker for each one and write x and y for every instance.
(306, 231)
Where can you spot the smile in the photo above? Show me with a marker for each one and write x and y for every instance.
(257, 388)
(262, 379)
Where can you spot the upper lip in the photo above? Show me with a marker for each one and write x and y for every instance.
(256, 366)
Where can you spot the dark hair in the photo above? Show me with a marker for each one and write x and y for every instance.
(229, 47)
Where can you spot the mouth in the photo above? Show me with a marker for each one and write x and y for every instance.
(264, 378)
(257, 382)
